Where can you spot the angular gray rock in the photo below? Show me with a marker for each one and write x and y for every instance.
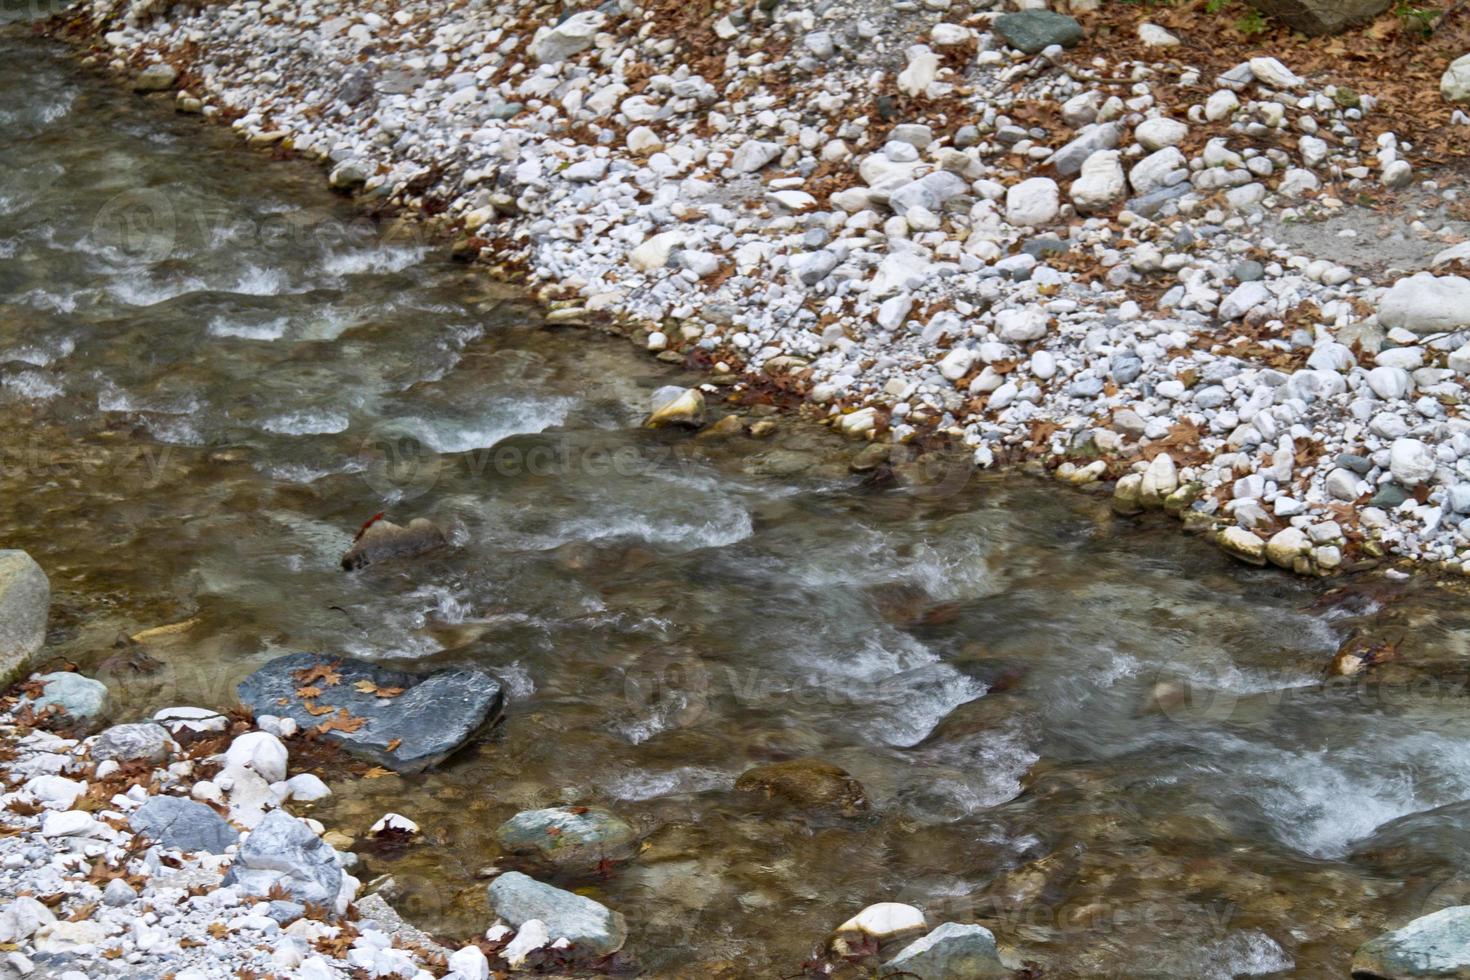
(25, 597)
(951, 952)
(1321, 16)
(571, 36)
(569, 838)
(146, 740)
(592, 929)
(432, 716)
(183, 824)
(1434, 945)
(284, 851)
(1032, 30)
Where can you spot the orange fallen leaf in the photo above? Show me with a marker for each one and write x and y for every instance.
(313, 709)
(326, 673)
(341, 722)
(393, 745)
(377, 772)
(308, 692)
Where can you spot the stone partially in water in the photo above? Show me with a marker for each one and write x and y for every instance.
(423, 717)
(382, 540)
(25, 597)
(593, 929)
(183, 824)
(806, 784)
(156, 78)
(80, 700)
(570, 838)
(672, 405)
(880, 923)
(1435, 945)
(951, 952)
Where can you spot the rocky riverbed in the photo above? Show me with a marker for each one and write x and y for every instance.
(1047, 235)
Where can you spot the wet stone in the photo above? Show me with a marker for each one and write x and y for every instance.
(428, 717)
(805, 784)
(570, 838)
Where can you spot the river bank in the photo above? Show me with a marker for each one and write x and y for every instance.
(1090, 258)
(805, 690)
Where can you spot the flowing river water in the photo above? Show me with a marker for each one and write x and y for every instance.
(1101, 739)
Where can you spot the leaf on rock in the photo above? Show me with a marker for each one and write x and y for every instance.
(308, 692)
(341, 722)
(315, 709)
(393, 745)
(326, 673)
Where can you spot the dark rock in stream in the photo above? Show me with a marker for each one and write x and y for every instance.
(380, 540)
(425, 718)
(806, 784)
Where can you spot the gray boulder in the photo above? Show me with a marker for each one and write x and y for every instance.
(183, 824)
(431, 716)
(1033, 30)
(1321, 16)
(950, 952)
(25, 596)
(80, 700)
(570, 838)
(283, 851)
(1435, 945)
(591, 928)
(146, 740)
(571, 36)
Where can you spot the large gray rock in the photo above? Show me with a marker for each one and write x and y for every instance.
(80, 700)
(950, 952)
(25, 596)
(1032, 30)
(571, 838)
(592, 929)
(146, 740)
(184, 824)
(283, 851)
(432, 716)
(1434, 945)
(1321, 16)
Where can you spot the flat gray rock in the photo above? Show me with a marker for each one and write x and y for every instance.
(592, 929)
(1434, 945)
(435, 714)
(1032, 30)
(950, 952)
(80, 699)
(183, 824)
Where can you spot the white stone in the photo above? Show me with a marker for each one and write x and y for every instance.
(885, 920)
(1221, 105)
(571, 36)
(1018, 326)
(1454, 84)
(1411, 462)
(260, 752)
(1101, 183)
(1159, 132)
(1150, 173)
(307, 788)
(922, 70)
(1269, 71)
(1426, 303)
(654, 252)
(470, 963)
(1244, 298)
(1154, 36)
(1033, 202)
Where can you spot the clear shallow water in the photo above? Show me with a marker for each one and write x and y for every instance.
(1105, 742)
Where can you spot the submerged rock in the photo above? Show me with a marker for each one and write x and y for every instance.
(25, 597)
(381, 540)
(183, 824)
(593, 929)
(283, 853)
(406, 722)
(569, 837)
(807, 784)
(1435, 945)
(951, 952)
